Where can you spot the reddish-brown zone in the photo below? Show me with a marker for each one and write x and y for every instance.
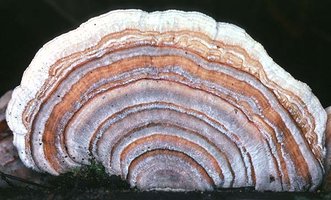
(180, 155)
(174, 140)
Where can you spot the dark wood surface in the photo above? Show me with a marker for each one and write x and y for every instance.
(102, 193)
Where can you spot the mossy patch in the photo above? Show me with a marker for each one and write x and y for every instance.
(89, 176)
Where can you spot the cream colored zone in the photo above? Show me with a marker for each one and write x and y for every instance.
(90, 33)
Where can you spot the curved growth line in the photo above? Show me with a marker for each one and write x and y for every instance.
(171, 138)
(158, 106)
(184, 156)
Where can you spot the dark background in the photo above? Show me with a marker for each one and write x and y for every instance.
(296, 34)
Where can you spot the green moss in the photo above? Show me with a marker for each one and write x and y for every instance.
(89, 176)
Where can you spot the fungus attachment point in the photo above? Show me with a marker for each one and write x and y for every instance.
(12, 171)
(168, 100)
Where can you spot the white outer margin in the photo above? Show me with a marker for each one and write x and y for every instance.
(89, 33)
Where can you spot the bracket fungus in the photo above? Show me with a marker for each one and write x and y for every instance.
(168, 100)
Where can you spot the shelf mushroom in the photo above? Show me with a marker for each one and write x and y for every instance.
(168, 100)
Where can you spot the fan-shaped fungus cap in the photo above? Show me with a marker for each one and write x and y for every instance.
(168, 100)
